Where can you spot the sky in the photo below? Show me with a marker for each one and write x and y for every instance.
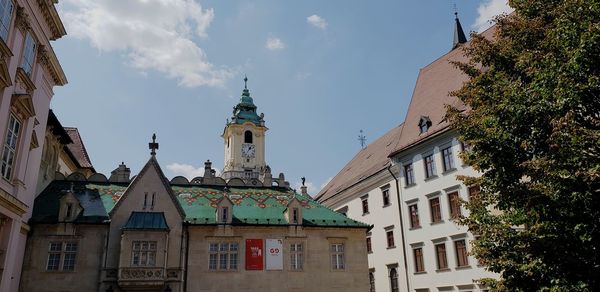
(320, 71)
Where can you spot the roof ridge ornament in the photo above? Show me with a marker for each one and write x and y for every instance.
(153, 146)
(459, 34)
(245, 81)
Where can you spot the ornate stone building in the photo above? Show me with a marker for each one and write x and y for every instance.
(243, 231)
(29, 70)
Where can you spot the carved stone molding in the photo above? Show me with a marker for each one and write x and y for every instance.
(22, 21)
(142, 274)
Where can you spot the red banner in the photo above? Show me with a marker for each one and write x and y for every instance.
(254, 254)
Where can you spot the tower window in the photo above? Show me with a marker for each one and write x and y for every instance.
(248, 137)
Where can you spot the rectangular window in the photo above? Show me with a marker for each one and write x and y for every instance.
(390, 238)
(447, 159)
(409, 174)
(429, 166)
(224, 214)
(62, 251)
(436, 212)
(386, 197)
(296, 256)
(223, 256)
(369, 246)
(454, 202)
(474, 192)
(365, 204)
(10, 146)
(413, 210)
(143, 253)
(440, 254)
(462, 259)
(6, 11)
(418, 254)
(295, 215)
(28, 54)
(337, 256)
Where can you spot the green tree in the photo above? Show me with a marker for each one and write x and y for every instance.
(534, 127)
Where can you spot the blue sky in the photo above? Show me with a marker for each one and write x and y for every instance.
(319, 70)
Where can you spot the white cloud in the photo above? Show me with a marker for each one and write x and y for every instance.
(303, 75)
(154, 35)
(274, 43)
(487, 11)
(188, 171)
(317, 21)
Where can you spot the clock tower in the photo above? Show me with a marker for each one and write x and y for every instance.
(244, 140)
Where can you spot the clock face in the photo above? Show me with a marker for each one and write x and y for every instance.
(248, 150)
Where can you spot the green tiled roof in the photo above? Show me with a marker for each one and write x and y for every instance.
(252, 206)
(147, 220)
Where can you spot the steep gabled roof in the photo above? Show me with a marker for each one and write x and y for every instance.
(77, 150)
(365, 163)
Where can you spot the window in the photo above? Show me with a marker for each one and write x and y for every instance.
(390, 238)
(337, 256)
(413, 210)
(386, 197)
(394, 280)
(248, 137)
(474, 192)
(454, 202)
(447, 159)
(296, 256)
(6, 9)
(224, 214)
(143, 254)
(223, 256)
(418, 254)
(365, 204)
(65, 251)
(69, 210)
(10, 146)
(424, 124)
(462, 259)
(440, 255)
(28, 54)
(371, 282)
(429, 166)
(436, 212)
(409, 174)
(295, 215)
(369, 246)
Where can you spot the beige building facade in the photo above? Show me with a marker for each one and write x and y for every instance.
(245, 232)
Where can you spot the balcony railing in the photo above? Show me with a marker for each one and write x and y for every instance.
(141, 274)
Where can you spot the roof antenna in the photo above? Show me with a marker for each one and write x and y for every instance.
(363, 139)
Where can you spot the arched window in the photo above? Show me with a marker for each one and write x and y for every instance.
(248, 137)
(372, 282)
(394, 280)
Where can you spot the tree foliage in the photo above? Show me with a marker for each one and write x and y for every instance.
(534, 127)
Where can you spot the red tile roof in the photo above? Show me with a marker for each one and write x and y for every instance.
(77, 149)
(365, 163)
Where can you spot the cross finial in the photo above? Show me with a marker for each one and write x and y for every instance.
(153, 145)
(362, 139)
(245, 81)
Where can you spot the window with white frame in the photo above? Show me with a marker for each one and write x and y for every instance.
(61, 256)
(28, 54)
(143, 254)
(337, 256)
(223, 256)
(447, 159)
(296, 256)
(429, 166)
(9, 152)
(6, 12)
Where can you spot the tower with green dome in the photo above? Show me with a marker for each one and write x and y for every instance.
(244, 140)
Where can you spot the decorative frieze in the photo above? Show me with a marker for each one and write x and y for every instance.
(145, 274)
(22, 21)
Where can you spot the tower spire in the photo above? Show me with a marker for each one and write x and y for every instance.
(459, 34)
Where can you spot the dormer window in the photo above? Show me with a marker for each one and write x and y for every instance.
(295, 214)
(224, 214)
(424, 124)
(248, 137)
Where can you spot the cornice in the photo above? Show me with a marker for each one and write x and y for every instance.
(11, 203)
(52, 18)
(48, 60)
(22, 20)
